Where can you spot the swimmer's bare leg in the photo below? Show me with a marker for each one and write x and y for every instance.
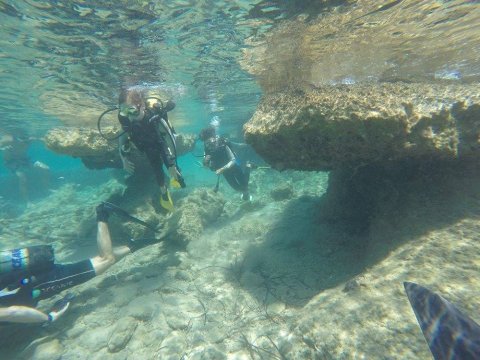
(22, 314)
(121, 251)
(107, 254)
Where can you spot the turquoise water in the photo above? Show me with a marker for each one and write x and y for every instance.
(313, 266)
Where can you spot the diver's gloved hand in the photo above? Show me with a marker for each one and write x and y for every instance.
(103, 213)
(206, 160)
(221, 170)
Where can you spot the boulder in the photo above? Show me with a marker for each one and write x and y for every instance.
(282, 191)
(51, 350)
(122, 334)
(94, 150)
(340, 126)
(199, 209)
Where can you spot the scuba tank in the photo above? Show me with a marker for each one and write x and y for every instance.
(29, 259)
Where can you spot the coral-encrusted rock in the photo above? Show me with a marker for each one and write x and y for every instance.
(94, 150)
(185, 143)
(122, 334)
(194, 213)
(51, 350)
(281, 192)
(87, 144)
(336, 126)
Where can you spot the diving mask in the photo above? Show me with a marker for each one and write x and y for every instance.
(130, 111)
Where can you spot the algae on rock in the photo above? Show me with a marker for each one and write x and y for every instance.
(352, 125)
(199, 209)
(94, 150)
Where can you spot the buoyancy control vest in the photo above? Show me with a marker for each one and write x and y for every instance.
(217, 149)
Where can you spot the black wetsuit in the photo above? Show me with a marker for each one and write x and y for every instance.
(221, 154)
(147, 136)
(29, 288)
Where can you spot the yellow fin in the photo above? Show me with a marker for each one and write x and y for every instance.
(167, 204)
(174, 183)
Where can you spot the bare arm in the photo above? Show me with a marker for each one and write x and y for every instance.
(22, 314)
(231, 162)
(231, 156)
(238, 144)
(107, 255)
(105, 258)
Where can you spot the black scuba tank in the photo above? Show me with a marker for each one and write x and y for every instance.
(31, 259)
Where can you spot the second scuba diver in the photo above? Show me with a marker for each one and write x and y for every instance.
(148, 128)
(219, 157)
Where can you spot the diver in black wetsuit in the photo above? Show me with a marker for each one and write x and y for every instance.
(219, 157)
(148, 128)
(23, 283)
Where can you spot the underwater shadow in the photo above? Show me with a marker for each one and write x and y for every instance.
(321, 243)
(301, 256)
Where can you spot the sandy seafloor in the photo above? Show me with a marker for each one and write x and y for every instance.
(268, 280)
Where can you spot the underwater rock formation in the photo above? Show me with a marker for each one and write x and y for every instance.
(124, 329)
(51, 350)
(283, 191)
(357, 41)
(95, 151)
(86, 144)
(193, 214)
(332, 127)
(300, 279)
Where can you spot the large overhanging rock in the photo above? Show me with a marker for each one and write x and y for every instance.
(94, 150)
(350, 125)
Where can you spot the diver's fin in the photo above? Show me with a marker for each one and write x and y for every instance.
(120, 212)
(166, 201)
(60, 304)
(174, 183)
(449, 333)
(178, 183)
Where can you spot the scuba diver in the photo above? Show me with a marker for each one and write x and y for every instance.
(219, 157)
(15, 156)
(148, 128)
(29, 275)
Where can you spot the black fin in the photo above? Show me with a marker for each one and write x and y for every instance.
(449, 333)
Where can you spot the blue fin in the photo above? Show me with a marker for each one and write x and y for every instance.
(449, 333)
